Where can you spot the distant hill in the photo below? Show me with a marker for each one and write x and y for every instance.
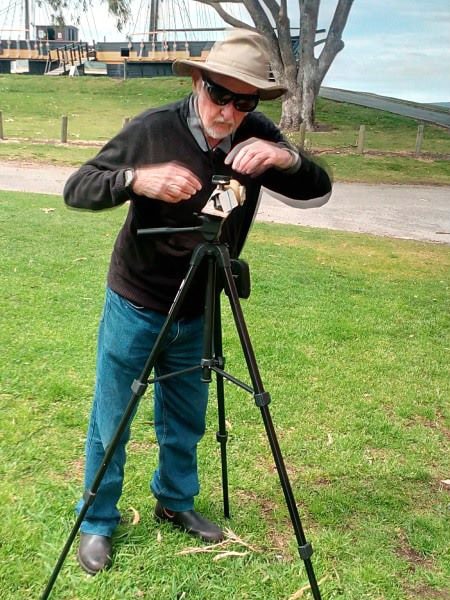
(443, 104)
(433, 113)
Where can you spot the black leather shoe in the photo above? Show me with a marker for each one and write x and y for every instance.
(191, 522)
(94, 553)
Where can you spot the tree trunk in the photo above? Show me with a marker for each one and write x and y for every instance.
(310, 90)
(308, 109)
(285, 72)
(291, 117)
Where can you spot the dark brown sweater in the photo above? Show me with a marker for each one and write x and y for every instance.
(148, 270)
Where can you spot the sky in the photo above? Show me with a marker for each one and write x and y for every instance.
(399, 48)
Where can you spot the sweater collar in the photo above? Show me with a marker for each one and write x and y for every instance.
(195, 127)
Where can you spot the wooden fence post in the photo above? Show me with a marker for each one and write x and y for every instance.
(419, 139)
(361, 139)
(64, 122)
(1, 125)
(301, 141)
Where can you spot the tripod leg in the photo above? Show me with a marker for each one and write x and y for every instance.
(212, 356)
(262, 399)
(208, 349)
(138, 388)
(222, 434)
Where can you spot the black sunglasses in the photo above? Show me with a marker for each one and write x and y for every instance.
(221, 96)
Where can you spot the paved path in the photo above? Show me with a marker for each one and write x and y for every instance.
(411, 212)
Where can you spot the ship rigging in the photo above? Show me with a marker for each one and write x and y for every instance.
(20, 19)
(158, 32)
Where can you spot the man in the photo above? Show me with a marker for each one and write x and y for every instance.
(163, 162)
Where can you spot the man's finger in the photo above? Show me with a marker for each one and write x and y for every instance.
(234, 151)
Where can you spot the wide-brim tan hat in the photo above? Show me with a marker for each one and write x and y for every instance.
(243, 55)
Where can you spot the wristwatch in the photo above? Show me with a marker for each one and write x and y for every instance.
(128, 178)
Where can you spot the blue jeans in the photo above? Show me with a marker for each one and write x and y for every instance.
(126, 336)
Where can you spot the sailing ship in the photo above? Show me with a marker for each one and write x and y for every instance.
(57, 49)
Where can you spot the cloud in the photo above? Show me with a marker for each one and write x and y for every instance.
(400, 49)
(417, 76)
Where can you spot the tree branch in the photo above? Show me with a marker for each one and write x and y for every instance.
(285, 43)
(273, 8)
(334, 43)
(259, 16)
(212, 2)
(265, 27)
(309, 14)
(230, 19)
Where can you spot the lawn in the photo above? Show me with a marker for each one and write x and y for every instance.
(352, 336)
(32, 107)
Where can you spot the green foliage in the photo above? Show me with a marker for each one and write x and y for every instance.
(352, 335)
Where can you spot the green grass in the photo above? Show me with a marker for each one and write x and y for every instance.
(95, 107)
(384, 131)
(388, 169)
(352, 338)
(32, 108)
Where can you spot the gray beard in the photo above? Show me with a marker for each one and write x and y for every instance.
(218, 134)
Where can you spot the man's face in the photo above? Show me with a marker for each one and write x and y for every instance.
(220, 121)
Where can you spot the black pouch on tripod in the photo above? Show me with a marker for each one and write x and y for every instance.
(241, 276)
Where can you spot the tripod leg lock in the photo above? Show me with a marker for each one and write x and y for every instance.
(88, 497)
(305, 551)
(208, 363)
(138, 388)
(222, 438)
(262, 399)
(220, 362)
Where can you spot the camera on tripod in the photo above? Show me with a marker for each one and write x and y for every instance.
(229, 194)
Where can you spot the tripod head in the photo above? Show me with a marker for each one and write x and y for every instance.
(228, 195)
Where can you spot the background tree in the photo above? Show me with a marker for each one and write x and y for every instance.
(301, 72)
(120, 9)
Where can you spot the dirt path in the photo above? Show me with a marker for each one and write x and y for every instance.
(411, 212)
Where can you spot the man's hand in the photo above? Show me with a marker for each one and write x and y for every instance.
(254, 156)
(169, 182)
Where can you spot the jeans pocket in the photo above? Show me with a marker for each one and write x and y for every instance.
(132, 305)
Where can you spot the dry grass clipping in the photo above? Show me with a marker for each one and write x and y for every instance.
(220, 550)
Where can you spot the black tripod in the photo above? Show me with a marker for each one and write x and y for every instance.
(217, 256)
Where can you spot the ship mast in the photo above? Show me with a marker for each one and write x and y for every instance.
(27, 20)
(154, 17)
